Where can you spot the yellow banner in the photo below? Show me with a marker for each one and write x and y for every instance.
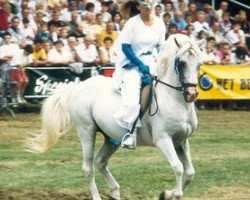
(224, 82)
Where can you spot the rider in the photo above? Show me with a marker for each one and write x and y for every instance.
(142, 33)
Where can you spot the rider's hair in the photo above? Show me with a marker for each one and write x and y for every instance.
(130, 9)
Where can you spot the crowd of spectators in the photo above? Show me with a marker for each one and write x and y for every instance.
(82, 32)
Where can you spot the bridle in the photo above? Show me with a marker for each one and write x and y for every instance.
(178, 69)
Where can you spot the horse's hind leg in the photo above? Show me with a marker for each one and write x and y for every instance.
(101, 162)
(185, 157)
(87, 136)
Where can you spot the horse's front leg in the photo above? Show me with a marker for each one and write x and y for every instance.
(185, 157)
(165, 145)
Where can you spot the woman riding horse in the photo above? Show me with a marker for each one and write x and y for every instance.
(142, 33)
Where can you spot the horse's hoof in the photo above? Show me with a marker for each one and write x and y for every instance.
(166, 195)
(111, 198)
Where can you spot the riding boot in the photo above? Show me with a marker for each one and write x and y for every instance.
(129, 140)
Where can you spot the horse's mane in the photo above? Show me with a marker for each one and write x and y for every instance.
(167, 56)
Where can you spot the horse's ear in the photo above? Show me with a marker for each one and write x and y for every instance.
(176, 42)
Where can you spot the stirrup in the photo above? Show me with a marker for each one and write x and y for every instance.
(129, 141)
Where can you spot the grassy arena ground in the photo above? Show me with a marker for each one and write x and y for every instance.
(220, 150)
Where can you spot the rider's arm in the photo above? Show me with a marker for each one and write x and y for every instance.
(127, 50)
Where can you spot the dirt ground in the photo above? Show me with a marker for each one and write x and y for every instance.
(227, 194)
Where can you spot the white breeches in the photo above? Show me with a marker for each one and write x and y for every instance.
(130, 88)
(130, 106)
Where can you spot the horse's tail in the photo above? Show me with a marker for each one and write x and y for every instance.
(55, 120)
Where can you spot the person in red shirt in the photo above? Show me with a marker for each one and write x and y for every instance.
(4, 14)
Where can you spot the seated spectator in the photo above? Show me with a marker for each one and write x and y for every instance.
(9, 54)
(189, 19)
(116, 19)
(58, 55)
(158, 11)
(107, 54)
(179, 21)
(88, 53)
(223, 9)
(225, 55)
(28, 32)
(208, 57)
(245, 26)
(216, 33)
(43, 32)
(52, 3)
(241, 55)
(108, 32)
(39, 56)
(71, 48)
(169, 8)
(40, 18)
(190, 31)
(56, 21)
(78, 33)
(182, 7)
(54, 33)
(75, 18)
(236, 36)
(25, 60)
(172, 29)
(63, 36)
(47, 45)
(65, 14)
(226, 23)
(4, 15)
(201, 24)
(98, 26)
(104, 11)
(166, 20)
(210, 13)
(25, 14)
(16, 34)
(211, 40)
(192, 11)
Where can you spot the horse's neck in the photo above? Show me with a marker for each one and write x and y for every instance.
(171, 77)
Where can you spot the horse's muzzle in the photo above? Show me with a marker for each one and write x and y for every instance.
(190, 93)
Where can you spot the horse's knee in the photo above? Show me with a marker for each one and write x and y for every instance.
(190, 174)
(178, 169)
(88, 171)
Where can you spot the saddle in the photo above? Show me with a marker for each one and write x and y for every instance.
(145, 98)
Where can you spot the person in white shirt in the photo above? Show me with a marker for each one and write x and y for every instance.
(216, 33)
(27, 31)
(200, 24)
(236, 36)
(9, 51)
(59, 55)
(9, 56)
(208, 56)
(87, 52)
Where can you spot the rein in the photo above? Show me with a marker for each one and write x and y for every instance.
(181, 89)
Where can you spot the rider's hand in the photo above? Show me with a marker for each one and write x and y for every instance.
(146, 80)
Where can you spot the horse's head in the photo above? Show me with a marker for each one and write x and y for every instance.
(187, 64)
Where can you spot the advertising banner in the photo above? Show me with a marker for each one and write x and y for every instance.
(224, 82)
(42, 80)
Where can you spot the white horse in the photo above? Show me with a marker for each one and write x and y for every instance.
(91, 105)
